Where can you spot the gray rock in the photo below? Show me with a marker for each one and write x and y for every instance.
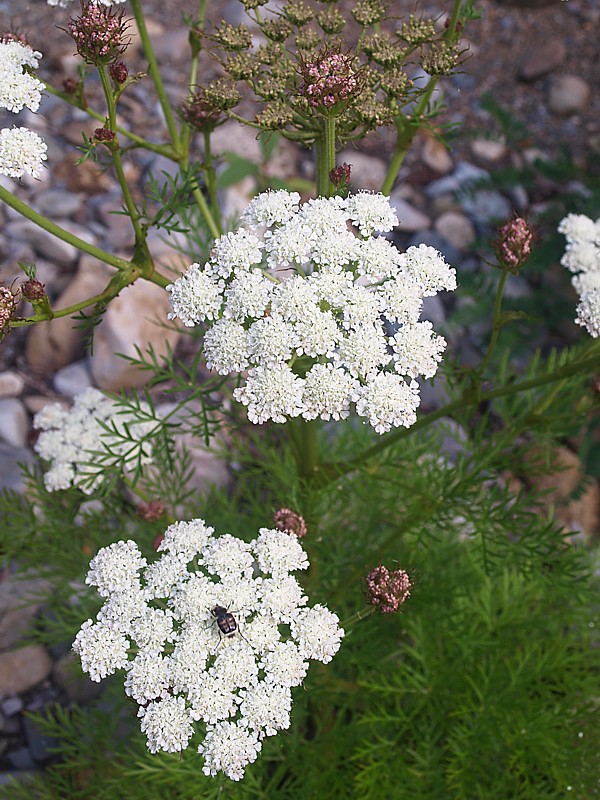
(488, 149)
(39, 744)
(14, 422)
(464, 174)
(11, 384)
(20, 600)
(22, 776)
(11, 476)
(43, 242)
(21, 759)
(58, 203)
(456, 229)
(411, 219)
(542, 59)
(72, 379)
(11, 706)
(486, 206)
(569, 94)
(22, 669)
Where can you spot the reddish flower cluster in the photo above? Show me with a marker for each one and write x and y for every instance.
(100, 35)
(513, 245)
(329, 79)
(290, 521)
(32, 290)
(151, 511)
(201, 112)
(340, 175)
(387, 589)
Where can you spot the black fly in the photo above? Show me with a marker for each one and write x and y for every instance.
(226, 622)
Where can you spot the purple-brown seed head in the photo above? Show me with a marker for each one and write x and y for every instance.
(513, 245)
(387, 589)
(290, 522)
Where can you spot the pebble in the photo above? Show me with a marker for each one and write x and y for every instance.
(72, 379)
(11, 384)
(368, 172)
(135, 319)
(542, 59)
(11, 706)
(435, 154)
(411, 219)
(22, 669)
(14, 422)
(568, 94)
(488, 149)
(486, 206)
(44, 243)
(58, 203)
(18, 607)
(456, 228)
(11, 457)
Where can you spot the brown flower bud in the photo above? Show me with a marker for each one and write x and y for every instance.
(151, 511)
(70, 86)
(513, 245)
(290, 521)
(118, 72)
(32, 290)
(340, 175)
(99, 34)
(387, 589)
(104, 135)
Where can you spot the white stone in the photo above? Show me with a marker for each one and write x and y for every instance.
(72, 379)
(488, 149)
(569, 94)
(11, 384)
(136, 318)
(456, 229)
(14, 422)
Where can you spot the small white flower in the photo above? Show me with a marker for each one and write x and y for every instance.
(328, 392)
(586, 281)
(211, 700)
(193, 597)
(279, 553)
(167, 724)
(147, 678)
(266, 709)
(588, 312)
(429, 269)
(237, 250)
(226, 347)
(281, 597)
(388, 401)
(583, 256)
(270, 341)
(363, 352)
(226, 555)
(294, 299)
(21, 152)
(371, 212)
(18, 88)
(152, 629)
(579, 228)
(289, 245)
(317, 632)
(161, 576)
(247, 295)
(271, 208)
(285, 665)
(102, 649)
(317, 334)
(377, 258)
(229, 748)
(116, 568)
(271, 393)
(186, 539)
(417, 350)
(195, 296)
(401, 299)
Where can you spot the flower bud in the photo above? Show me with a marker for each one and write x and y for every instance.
(290, 521)
(32, 290)
(100, 35)
(104, 135)
(513, 245)
(330, 79)
(70, 86)
(340, 175)
(118, 72)
(387, 590)
(151, 511)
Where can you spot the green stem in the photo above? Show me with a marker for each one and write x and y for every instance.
(186, 133)
(302, 436)
(116, 155)
(211, 179)
(496, 322)
(162, 149)
(408, 127)
(329, 472)
(136, 7)
(325, 155)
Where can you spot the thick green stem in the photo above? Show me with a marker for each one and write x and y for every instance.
(325, 155)
(186, 133)
(211, 179)
(302, 435)
(136, 7)
(496, 322)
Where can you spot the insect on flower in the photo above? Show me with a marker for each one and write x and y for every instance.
(225, 620)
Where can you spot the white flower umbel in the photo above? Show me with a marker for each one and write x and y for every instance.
(219, 636)
(582, 258)
(18, 88)
(22, 152)
(80, 448)
(305, 297)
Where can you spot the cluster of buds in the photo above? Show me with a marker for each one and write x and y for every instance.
(513, 245)
(387, 589)
(152, 511)
(285, 519)
(99, 34)
(204, 111)
(329, 80)
(8, 305)
(340, 175)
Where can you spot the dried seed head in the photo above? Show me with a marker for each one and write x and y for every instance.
(416, 31)
(275, 117)
(201, 113)
(387, 589)
(118, 72)
(99, 33)
(513, 245)
(441, 58)
(32, 290)
(151, 511)
(277, 29)
(233, 37)
(222, 94)
(331, 21)
(298, 13)
(70, 86)
(104, 135)
(383, 50)
(368, 12)
(290, 521)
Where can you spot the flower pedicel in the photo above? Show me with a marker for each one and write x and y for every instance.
(221, 640)
(321, 312)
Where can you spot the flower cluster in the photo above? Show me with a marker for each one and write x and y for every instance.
(329, 79)
(513, 246)
(321, 312)
(65, 3)
(99, 34)
(582, 258)
(21, 151)
(222, 640)
(83, 441)
(387, 589)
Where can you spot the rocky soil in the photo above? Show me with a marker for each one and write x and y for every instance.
(541, 64)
